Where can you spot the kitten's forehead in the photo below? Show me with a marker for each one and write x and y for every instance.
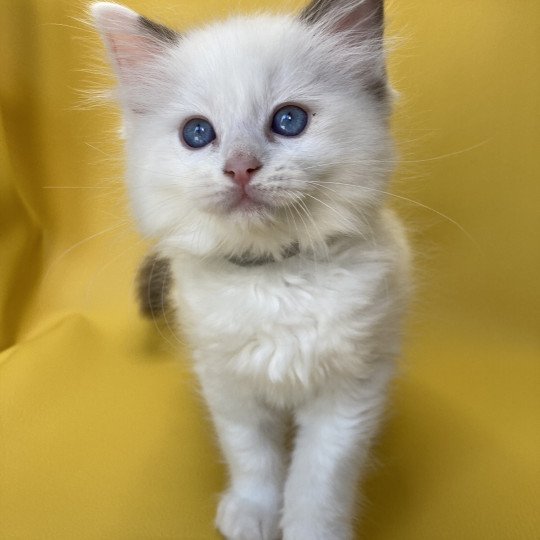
(247, 63)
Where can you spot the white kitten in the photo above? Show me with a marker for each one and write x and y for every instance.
(258, 153)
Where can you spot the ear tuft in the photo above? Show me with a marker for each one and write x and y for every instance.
(360, 26)
(133, 42)
(109, 16)
(363, 17)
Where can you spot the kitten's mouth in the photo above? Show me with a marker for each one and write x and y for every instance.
(247, 203)
(252, 203)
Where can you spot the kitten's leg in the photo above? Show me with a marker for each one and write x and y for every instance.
(335, 430)
(251, 436)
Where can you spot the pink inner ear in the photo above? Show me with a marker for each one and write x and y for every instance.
(131, 50)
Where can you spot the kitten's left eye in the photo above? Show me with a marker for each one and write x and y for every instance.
(289, 121)
(198, 132)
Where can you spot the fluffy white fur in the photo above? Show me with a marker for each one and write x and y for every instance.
(314, 335)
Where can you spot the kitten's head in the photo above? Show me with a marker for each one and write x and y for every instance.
(255, 132)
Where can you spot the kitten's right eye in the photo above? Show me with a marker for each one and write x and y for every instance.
(198, 132)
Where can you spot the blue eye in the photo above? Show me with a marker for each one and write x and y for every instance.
(289, 121)
(198, 132)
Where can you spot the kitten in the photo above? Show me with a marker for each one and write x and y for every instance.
(258, 155)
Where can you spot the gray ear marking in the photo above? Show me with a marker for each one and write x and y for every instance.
(367, 15)
(159, 31)
(316, 10)
(360, 23)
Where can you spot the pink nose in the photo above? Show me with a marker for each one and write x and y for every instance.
(241, 168)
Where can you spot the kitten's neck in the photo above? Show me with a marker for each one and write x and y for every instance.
(251, 247)
(247, 259)
(294, 249)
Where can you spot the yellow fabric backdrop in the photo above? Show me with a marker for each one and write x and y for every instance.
(103, 435)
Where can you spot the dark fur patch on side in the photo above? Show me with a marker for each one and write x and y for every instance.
(154, 283)
(379, 89)
(160, 31)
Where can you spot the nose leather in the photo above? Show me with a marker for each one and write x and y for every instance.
(241, 168)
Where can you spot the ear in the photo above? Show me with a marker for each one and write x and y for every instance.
(361, 25)
(363, 18)
(133, 42)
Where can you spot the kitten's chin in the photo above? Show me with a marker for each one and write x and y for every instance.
(244, 209)
(250, 211)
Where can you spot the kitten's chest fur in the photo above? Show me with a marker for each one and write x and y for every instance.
(289, 327)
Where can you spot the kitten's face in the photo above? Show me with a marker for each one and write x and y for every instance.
(261, 126)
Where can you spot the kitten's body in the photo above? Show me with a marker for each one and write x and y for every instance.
(290, 296)
(288, 329)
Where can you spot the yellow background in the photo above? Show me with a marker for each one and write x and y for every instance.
(103, 435)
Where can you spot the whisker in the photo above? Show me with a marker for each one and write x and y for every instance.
(75, 187)
(347, 223)
(407, 199)
(107, 263)
(308, 235)
(397, 160)
(54, 263)
(304, 206)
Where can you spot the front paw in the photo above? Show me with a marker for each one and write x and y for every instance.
(243, 518)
